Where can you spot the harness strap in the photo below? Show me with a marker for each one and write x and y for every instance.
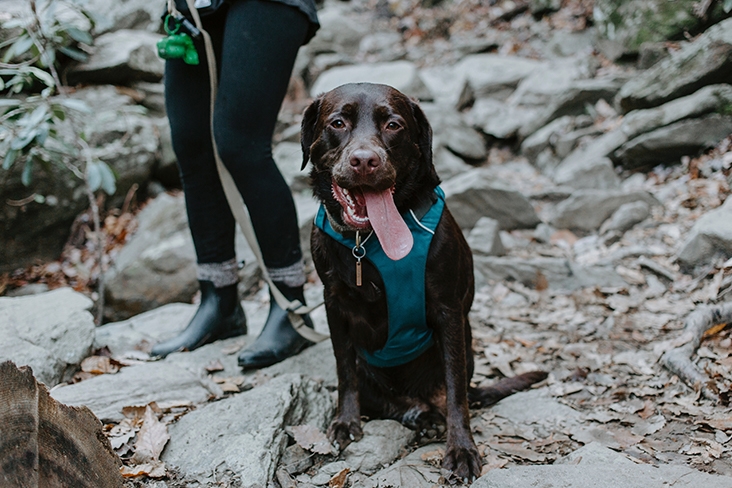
(294, 308)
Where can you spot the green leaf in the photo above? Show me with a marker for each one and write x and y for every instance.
(108, 179)
(42, 75)
(93, 176)
(42, 134)
(75, 54)
(23, 139)
(19, 47)
(39, 115)
(26, 177)
(8, 102)
(80, 36)
(39, 198)
(10, 157)
(74, 104)
(13, 23)
(727, 6)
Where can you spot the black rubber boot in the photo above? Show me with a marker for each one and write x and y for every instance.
(278, 339)
(219, 316)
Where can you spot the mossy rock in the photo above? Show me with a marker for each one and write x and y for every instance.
(624, 25)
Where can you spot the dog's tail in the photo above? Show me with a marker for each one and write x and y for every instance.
(483, 397)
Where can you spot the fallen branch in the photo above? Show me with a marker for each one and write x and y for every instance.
(678, 360)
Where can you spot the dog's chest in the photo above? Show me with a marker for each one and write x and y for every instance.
(404, 285)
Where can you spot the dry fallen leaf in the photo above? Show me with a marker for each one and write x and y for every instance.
(154, 469)
(214, 365)
(99, 365)
(339, 480)
(151, 439)
(311, 439)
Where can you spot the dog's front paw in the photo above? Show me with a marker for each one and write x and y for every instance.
(343, 432)
(463, 462)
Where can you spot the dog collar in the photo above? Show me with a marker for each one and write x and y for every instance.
(404, 281)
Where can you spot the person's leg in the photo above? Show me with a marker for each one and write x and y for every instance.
(261, 40)
(187, 98)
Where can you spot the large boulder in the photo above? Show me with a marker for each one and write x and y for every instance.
(118, 134)
(130, 14)
(586, 210)
(239, 440)
(402, 75)
(121, 57)
(50, 332)
(705, 61)
(624, 25)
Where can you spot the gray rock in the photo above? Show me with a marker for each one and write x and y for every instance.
(600, 476)
(626, 216)
(705, 61)
(131, 14)
(412, 471)
(588, 209)
(551, 80)
(493, 75)
(580, 173)
(625, 25)
(121, 57)
(573, 100)
(595, 454)
(710, 237)
(545, 137)
(384, 46)
(152, 97)
(473, 195)
(485, 239)
(160, 382)
(288, 156)
(446, 88)
(382, 443)
(50, 332)
(240, 439)
(539, 7)
(448, 164)
(157, 265)
(710, 99)
(338, 32)
(499, 119)
(564, 144)
(556, 273)
(402, 75)
(166, 170)
(669, 143)
(535, 407)
(449, 129)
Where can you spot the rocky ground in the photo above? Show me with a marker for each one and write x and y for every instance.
(593, 190)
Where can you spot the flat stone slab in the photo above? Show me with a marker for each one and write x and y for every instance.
(240, 439)
(601, 476)
(161, 382)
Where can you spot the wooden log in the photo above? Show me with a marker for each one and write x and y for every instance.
(44, 443)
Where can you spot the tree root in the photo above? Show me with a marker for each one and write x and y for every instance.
(678, 360)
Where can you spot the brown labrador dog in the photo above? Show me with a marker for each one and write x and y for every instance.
(371, 149)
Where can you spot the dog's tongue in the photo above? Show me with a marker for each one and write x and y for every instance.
(393, 233)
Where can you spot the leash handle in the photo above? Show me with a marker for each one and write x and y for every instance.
(294, 308)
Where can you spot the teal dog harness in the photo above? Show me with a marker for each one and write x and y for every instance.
(409, 336)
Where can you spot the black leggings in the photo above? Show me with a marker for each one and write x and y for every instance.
(256, 42)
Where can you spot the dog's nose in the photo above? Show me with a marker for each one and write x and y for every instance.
(364, 160)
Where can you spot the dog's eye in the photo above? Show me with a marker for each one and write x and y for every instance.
(393, 126)
(338, 124)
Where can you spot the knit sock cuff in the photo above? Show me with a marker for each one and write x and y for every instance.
(291, 276)
(220, 274)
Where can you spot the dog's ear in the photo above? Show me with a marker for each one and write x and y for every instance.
(424, 138)
(307, 129)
